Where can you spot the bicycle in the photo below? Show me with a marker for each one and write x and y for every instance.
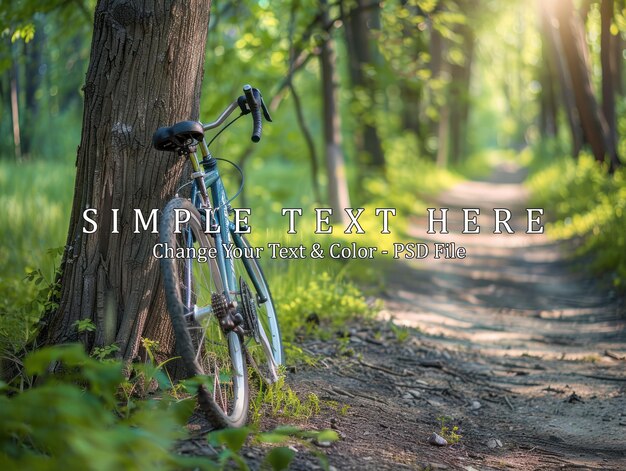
(219, 324)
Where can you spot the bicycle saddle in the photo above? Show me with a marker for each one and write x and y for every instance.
(178, 136)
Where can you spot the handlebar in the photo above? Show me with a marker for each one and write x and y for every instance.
(251, 102)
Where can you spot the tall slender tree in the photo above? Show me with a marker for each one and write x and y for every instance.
(608, 43)
(338, 196)
(358, 24)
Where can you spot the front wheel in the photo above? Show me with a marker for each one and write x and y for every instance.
(193, 284)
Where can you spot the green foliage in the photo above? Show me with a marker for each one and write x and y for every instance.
(582, 200)
(83, 414)
(72, 419)
(278, 458)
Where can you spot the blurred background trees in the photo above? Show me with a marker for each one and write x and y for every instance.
(454, 75)
(369, 98)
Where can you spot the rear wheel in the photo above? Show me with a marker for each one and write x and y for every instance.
(196, 302)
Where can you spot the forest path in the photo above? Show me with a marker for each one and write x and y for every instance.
(514, 294)
(518, 346)
(526, 317)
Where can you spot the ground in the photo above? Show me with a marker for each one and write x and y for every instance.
(518, 345)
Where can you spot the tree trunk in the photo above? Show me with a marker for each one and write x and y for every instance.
(439, 70)
(557, 57)
(357, 34)
(574, 46)
(607, 59)
(145, 71)
(15, 103)
(33, 55)
(618, 50)
(338, 196)
(548, 76)
(459, 97)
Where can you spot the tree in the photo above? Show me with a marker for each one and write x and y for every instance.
(608, 59)
(594, 124)
(553, 52)
(145, 70)
(338, 196)
(360, 58)
(548, 122)
(459, 95)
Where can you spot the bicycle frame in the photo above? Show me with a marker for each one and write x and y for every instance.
(227, 232)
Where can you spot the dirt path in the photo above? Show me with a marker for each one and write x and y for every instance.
(519, 347)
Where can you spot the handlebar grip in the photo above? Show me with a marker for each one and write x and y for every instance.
(257, 125)
(253, 97)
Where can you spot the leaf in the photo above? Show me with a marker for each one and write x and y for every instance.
(327, 436)
(272, 437)
(182, 410)
(279, 458)
(287, 430)
(233, 438)
(37, 363)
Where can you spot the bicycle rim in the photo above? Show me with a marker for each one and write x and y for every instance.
(192, 284)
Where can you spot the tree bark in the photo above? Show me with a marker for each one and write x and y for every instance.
(360, 56)
(574, 46)
(338, 196)
(145, 71)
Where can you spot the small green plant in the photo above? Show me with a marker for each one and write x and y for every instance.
(84, 326)
(400, 332)
(296, 355)
(342, 409)
(343, 346)
(450, 434)
(104, 353)
(592, 358)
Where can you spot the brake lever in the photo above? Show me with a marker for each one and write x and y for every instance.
(266, 112)
(243, 105)
(242, 101)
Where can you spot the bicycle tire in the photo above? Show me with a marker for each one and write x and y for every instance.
(270, 343)
(188, 278)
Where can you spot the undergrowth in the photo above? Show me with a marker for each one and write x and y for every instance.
(582, 200)
(86, 415)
